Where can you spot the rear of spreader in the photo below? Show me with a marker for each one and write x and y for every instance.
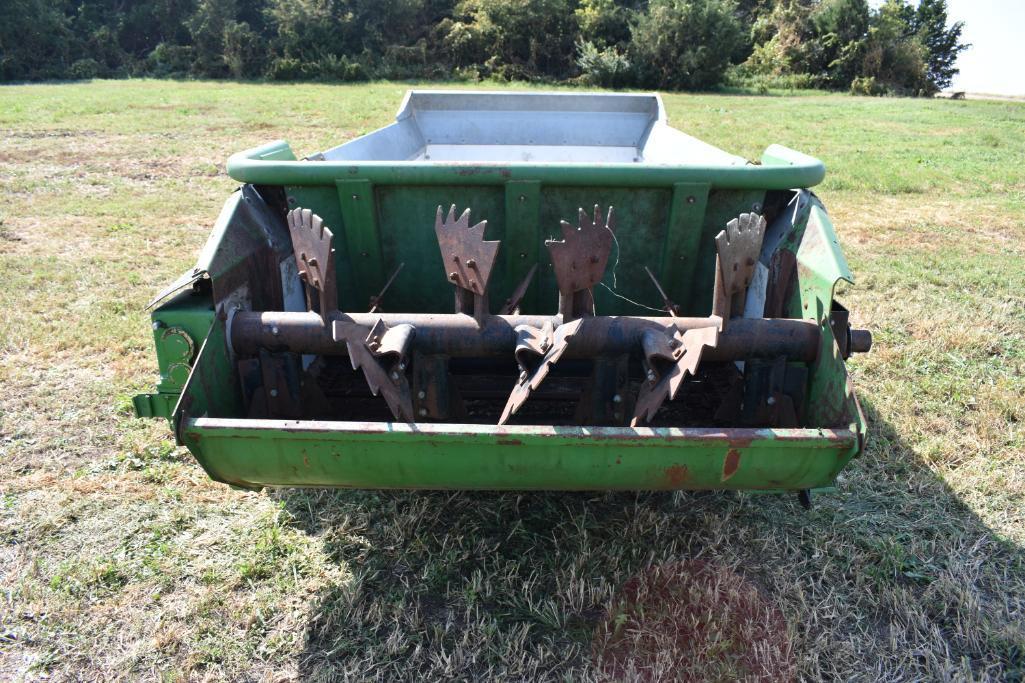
(515, 291)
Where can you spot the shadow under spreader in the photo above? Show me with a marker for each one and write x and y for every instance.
(445, 583)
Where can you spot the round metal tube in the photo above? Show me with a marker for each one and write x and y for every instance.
(861, 341)
(459, 335)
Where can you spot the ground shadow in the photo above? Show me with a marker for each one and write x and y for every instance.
(891, 577)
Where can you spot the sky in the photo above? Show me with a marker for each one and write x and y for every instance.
(995, 63)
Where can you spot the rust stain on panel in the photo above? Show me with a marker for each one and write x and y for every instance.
(730, 464)
(676, 474)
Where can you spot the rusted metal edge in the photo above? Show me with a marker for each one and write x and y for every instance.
(735, 438)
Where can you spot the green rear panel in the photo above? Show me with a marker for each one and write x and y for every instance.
(253, 453)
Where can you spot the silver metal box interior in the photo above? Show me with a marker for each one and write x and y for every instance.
(503, 127)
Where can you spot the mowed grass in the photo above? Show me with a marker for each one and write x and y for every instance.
(119, 559)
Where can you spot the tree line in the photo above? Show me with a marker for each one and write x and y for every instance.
(667, 44)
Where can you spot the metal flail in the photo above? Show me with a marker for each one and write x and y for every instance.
(468, 259)
(375, 301)
(671, 351)
(667, 303)
(512, 304)
(381, 353)
(579, 260)
(314, 258)
(537, 350)
(737, 249)
(670, 357)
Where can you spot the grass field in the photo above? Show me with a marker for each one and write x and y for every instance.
(119, 559)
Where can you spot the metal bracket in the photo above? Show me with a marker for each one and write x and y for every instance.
(579, 260)
(537, 350)
(512, 304)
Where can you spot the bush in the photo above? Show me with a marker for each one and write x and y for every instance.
(605, 68)
(335, 68)
(287, 69)
(85, 69)
(867, 85)
(169, 60)
(743, 77)
(685, 44)
(518, 39)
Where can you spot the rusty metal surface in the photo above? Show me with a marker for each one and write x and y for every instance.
(671, 357)
(460, 335)
(512, 304)
(314, 257)
(468, 258)
(579, 260)
(364, 350)
(737, 248)
(536, 352)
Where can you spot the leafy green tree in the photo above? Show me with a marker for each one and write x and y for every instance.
(840, 28)
(207, 27)
(244, 52)
(685, 44)
(517, 38)
(35, 40)
(891, 55)
(603, 23)
(783, 40)
(943, 43)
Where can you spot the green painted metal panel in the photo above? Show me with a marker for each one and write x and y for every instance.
(388, 455)
(683, 237)
(187, 314)
(642, 215)
(781, 169)
(406, 227)
(359, 231)
(522, 245)
(722, 206)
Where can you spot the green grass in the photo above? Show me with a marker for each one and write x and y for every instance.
(119, 559)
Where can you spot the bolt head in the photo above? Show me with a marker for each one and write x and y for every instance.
(617, 399)
(771, 400)
(157, 324)
(421, 394)
(423, 412)
(273, 392)
(274, 330)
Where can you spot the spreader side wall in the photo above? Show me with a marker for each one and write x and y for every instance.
(670, 230)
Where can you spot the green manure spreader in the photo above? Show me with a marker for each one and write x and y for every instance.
(515, 291)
